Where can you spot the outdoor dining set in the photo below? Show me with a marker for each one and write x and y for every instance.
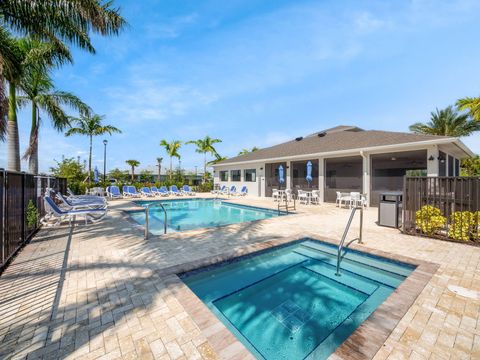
(344, 199)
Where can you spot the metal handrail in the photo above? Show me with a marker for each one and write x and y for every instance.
(147, 208)
(345, 233)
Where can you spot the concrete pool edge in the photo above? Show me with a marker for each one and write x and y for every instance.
(363, 343)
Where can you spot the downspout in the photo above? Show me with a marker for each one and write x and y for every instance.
(366, 184)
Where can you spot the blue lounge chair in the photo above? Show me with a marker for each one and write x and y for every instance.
(163, 191)
(233, 190)
(53, 211)
(219, 191)
(132, 191)
(125, 191)
(79, 204)
(174, 190)
(154, 190)
(146, 191)
(113, 192)
(242, 192)
(187, 191)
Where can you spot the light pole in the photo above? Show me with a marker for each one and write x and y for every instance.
(105, 142)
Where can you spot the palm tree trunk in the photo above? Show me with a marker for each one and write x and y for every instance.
(90, 161)
(33, 158)
(13, 143)
(171, 168)
(205, 168)
(159, 170)
(133, 174)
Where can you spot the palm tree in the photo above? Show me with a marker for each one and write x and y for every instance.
(205, 146)
(217, 159)
(159, 164)
(33, 55)
(447, 122)
(472, 105)
(40, 92)
(53, 21)
(133, 164)
(91, 125)
(246, 151)
(171, 148)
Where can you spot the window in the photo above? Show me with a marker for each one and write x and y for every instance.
(451, 166)
(223, 175)
(235, 175)
(250, 175)
(457, 167)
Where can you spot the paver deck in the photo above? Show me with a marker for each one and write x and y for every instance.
(103, 292)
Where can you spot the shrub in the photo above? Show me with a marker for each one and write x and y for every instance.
(206, 187)
(476, 226)
(463, 225)
(429, 219)
(32, 215)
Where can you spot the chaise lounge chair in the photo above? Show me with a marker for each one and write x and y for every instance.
(54, 211)
(145, 191)
(243, 192)
(187, 191)
(174, 191)
(163, 191)
(132, 191)
(113, 192)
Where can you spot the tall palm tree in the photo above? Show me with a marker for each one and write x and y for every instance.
(171, 149)
(205, 146)
(91, 125)
(41, 93)
(472, 105)
(447, 122)
(246, 151)
(133, 164)
(34, 55)
(54, 21)
(159, 164)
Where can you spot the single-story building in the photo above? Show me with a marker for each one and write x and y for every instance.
(345, 159)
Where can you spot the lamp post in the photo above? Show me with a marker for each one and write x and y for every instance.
(105, 142)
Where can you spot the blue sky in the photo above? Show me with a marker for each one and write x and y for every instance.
(255, 73)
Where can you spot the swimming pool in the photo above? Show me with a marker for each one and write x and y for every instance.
(287, 302)
(189, 214)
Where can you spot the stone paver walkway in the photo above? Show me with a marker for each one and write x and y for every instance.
(103, 292)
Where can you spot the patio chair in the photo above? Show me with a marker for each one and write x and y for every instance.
(356, 199)
(125, 191)
(315, 198)
(54, 211)
(113, 192)
(243, 191)
(174, 191)
(288, 195)
(163, 191)
(79, 204)
(154, 190)
(218, 191)
(187, 191)
(145, 191)
(132, 191)
(72, 196)
(232, 190)
(342, 198)
(275, 195)
(302, 197)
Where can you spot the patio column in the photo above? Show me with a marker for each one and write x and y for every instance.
(366, 176)
(432, 161)
(321, 179)
(288, 180)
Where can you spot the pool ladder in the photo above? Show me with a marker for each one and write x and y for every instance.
(147, 209)
(345, 233)
(285, 205)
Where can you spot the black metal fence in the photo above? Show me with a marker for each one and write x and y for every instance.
(442, 207)
(17, 190)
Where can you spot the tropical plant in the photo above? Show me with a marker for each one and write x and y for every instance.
(90, 125)
(246, 151)
(461, 224)
(429, 219)
(470, 166)
(38, 86)
(205, 146)
(159, 165)
(217, 159)
(118, 174)
(53, 21)
(133, 164)
(472, 105)
(171, 149)
(73, 171)
(447, 122)
(32, 214)
(33, 55)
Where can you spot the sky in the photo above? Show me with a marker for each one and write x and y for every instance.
(260, 72)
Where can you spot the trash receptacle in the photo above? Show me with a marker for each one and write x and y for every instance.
(390, 209)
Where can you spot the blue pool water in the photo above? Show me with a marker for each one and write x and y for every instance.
(188, 214)
(287, 303)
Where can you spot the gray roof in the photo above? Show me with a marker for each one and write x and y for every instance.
(335, 139)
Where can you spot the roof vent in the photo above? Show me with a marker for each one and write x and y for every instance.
(321, 134)
(299, 138)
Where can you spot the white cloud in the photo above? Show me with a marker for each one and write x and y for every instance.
(169, 28)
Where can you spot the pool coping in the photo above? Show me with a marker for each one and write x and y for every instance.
(363, 343)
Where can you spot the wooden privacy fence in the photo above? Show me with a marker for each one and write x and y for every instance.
(17, 189)
(442, 207)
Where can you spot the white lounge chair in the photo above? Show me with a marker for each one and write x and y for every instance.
(53, 211)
